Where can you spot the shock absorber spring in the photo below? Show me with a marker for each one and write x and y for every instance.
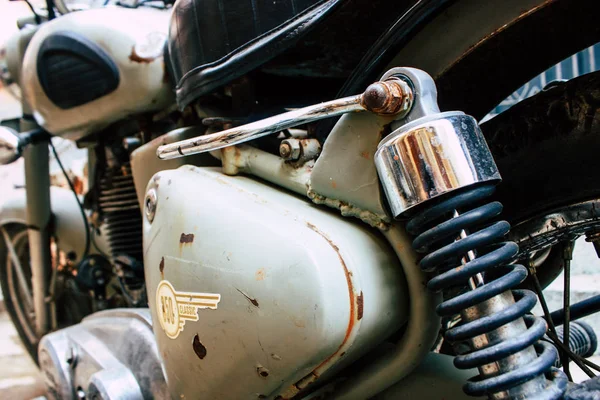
(502, 339)
(436, 170)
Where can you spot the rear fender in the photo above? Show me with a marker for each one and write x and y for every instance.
(69, 228)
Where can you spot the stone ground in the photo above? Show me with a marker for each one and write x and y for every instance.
(19, 376)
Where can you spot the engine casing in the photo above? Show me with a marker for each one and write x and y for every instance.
(88, 69)
(257, 293)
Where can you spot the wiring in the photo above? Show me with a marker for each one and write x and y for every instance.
(50, 7)
(85, 220)
(38, 19)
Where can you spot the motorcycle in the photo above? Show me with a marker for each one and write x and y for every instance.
(244, 236)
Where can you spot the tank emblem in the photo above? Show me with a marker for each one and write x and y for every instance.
(174, 308)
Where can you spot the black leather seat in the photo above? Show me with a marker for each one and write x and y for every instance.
(212, 42)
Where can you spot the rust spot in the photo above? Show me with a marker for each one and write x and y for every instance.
(161, 268)
(199, 348)
(353, 310)
(299, 323)
(186, 238)
(250, 299)
(396, 158)
(359, 305)
(365, 155)
(343, 354)
(333, 184)
(262, 371)
(260, 274)
(135, 57)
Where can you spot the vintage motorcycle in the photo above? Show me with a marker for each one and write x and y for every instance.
(244, 236)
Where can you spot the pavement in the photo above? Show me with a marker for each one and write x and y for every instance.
(20, 378)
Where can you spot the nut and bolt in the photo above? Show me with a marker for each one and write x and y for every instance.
(290, 149)
(150, 204)
(390, 97)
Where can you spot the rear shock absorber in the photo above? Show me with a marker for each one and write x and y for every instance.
(437, 169)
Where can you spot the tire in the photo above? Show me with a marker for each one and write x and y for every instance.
(72, 304)
(17, 233)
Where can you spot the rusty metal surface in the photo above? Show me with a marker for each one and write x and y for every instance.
(344, 175)
(303, 291)
(400, 359)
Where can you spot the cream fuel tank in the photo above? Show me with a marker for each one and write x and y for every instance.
(85, 70)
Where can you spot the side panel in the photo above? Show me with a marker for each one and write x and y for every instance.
(293, 292)
(144, 163)
(130, 40)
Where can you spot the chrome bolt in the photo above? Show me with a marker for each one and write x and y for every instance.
(150, 204)
(290, 149)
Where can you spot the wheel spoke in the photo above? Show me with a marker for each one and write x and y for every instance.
(564, 351)
(16, 264)
(567, 257)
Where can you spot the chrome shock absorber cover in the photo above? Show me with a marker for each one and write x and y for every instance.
(431, 153)
(436, 168)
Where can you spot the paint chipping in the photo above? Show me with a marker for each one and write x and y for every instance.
(262, 371)
(359, 305)
(199, 348)
(186, 238)
(161, 267)
(135, 57)
(260, 274)
(250, 299)
(353, 306)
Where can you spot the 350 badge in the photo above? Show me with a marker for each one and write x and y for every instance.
(174, 308)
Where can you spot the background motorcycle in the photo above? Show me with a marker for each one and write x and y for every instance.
(477, 53)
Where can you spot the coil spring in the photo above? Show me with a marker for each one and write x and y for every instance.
(443, 252)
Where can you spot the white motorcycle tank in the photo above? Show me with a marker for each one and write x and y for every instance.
(85, 70)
